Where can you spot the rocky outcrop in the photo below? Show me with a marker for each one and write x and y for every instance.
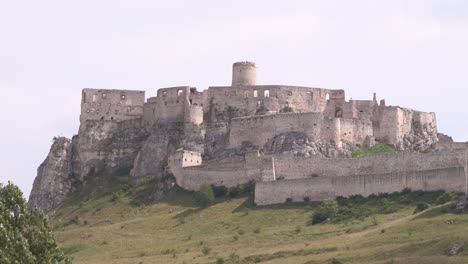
(298, 144)
(152, 158)
(422, 138)
(54, 177)
(107, 145)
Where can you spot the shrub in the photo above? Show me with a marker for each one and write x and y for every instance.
(219, 191)
(335, 261)
(286, 109)
(206, 251)
(445, 198)
(326, 210)
(298, 229)
(257, 230)
(421, 207)
(319, 217)
(234, 191)
(165, 252)
(205, 195)
(219, 261)
(306, 199)
(289, 200)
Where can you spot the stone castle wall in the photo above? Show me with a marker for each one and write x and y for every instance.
(229, 174)
(325, 188)
(321, 179)
(111, 105)
(290, 167)
(174, 104)
(248, 100)
(259, 129)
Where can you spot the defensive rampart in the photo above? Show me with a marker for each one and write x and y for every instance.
(259, 129)
(321, 179)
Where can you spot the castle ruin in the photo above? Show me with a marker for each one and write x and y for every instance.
(294, 142)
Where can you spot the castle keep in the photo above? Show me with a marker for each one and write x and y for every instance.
(294, 142)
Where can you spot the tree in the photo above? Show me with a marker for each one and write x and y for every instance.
(25, 237)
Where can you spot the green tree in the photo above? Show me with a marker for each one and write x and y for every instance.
(25, 237)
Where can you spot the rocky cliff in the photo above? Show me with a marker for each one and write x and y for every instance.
(54, 179)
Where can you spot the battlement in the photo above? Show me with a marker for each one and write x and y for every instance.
(111, 104)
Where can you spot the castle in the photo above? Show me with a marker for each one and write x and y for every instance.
(294, 142)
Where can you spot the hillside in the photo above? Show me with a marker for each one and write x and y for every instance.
(112, 222)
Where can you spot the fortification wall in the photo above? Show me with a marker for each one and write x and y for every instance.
(394, 123)
(290, 167)
(111, 105)
(167, 106)
(228, 174)
(325, 188)
(274, 98)
(259, 129)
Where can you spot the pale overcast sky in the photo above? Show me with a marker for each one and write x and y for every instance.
(412, 53)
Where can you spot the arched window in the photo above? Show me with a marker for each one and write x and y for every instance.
(180, 92)
(255, 93)
(267, 93)
(327, 97)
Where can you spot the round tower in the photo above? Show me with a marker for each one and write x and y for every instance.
(244, 73)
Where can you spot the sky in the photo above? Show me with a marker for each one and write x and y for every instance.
(413, 53)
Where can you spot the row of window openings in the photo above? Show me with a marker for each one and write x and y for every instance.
(104, 96)
(179, 93)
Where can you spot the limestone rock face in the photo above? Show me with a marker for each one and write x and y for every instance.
(54, 177)
(299, 144)
(105, 145)
(151, 159)
(421, 138)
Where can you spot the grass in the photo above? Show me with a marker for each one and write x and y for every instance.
(126, 230)
(373, 150)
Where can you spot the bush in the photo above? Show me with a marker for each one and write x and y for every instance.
(306, 199)
(219, 191)
(205, 195)
(298, 229)
(326, 210)
(257, 230)
(286, 109)
(234, 191)
(445, 198)
(206, 251)
(335, 261)
(289, 200)
(219, 261)
(421, 207)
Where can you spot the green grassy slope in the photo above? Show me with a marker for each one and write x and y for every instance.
(105, 225)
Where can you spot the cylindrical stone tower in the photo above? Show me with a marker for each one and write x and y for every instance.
(244, 73)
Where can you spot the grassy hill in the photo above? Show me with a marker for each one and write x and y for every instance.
(110, 222)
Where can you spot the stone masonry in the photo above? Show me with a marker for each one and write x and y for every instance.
(293, 141)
